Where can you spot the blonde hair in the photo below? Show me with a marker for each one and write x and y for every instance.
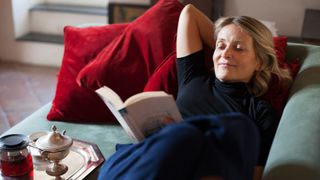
(264, 50)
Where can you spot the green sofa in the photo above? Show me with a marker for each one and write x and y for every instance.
(295, 153)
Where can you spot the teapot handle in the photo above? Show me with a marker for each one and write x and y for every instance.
(44, 154)
(33, 145)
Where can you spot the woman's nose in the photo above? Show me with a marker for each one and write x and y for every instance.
(227, 52)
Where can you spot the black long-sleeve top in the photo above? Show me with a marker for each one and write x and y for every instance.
(200, 93)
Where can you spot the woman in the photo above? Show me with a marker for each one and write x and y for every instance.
(244, 58)
(227, 130)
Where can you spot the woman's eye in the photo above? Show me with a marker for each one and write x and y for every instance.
(239, 47)
(220, 45)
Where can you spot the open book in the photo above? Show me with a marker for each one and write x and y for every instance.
(143, 113)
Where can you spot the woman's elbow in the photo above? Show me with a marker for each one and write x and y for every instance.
(187, 10)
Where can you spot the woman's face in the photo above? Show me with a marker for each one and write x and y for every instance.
(234, 57)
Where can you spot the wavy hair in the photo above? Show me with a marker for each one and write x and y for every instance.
(264, 50)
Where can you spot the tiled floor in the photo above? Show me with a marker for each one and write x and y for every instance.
(23, 89)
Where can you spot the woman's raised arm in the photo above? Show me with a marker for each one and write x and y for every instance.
(194, 29)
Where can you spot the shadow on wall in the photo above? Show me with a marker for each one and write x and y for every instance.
(212, 8)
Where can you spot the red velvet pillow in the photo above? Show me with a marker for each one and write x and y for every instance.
(71, 102)
(126, 64)
(164, 77)
(280, 45)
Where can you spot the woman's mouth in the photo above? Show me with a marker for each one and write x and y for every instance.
(226, 65)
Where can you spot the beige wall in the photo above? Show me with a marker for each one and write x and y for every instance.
(287, 14)
(6, 29)
(24, 52)
(97, 3)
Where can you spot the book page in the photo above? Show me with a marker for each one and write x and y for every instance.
(152, 114)
(143, 113)
(144, 95)
(121, 117)
(108, 95)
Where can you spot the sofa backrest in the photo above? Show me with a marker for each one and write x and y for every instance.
(295, 152)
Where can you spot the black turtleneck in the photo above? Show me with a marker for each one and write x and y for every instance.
(200, 93)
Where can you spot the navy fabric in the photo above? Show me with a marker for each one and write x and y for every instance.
(224, 145)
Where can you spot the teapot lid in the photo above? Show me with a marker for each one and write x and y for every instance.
(54, 141)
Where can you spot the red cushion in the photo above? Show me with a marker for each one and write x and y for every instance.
(164, 77)
(71, 102)
(126, 64)
(280, 45)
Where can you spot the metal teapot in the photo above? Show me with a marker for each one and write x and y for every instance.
(54, 147)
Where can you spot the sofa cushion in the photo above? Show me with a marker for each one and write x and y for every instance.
(126, 64)
(295, 149)
(164, 77)
(71, 102)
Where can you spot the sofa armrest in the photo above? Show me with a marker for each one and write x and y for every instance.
(295, 152)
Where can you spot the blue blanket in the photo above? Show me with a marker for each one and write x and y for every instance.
(223, 145)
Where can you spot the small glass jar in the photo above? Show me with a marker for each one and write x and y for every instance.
(15, 157)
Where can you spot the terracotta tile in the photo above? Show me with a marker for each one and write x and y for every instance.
(42, 80)
(23, 90)
(4, 123)
(14, 117)
(16, 93)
